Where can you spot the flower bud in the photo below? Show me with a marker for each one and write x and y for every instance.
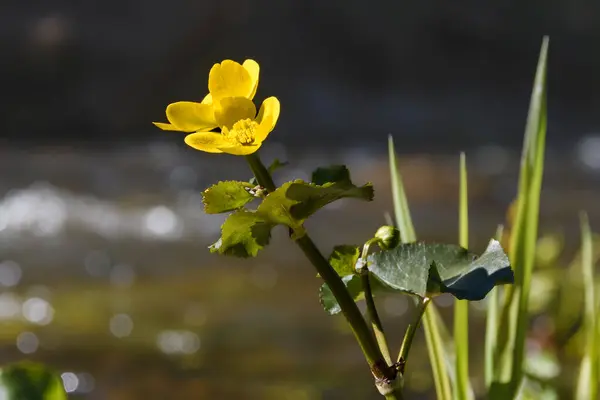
(389, 237)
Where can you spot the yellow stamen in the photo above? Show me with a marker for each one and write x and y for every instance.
(243, 131)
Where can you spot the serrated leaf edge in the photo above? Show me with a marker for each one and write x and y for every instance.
(246, 185)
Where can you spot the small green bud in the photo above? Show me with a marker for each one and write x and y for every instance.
(389, 237)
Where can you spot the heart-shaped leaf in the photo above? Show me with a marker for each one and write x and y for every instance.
(474, 280)
(406, 267)
(432, 269)
(428, 270)
(226, 196)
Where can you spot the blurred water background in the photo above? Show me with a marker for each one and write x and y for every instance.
(104, 266)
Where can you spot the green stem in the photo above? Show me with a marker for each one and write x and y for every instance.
(347, 304)
(411, 331)
(261, 173)
(397, 395)
(371, 309)
(374, 317)
(359, 327)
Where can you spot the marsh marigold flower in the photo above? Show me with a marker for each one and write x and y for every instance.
(228, 106)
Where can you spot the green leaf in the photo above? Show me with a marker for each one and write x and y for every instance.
(404, 268)
(473, 280)
(275, 165)
(276, 207)
(431, 269)
(226, 196)
(295, 201)
(312, 198)
(343, 259)
(30, 381)
(243, 234)
(424, 270)
(246, 232)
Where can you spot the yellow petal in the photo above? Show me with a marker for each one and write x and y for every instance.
(230, 110)
(188, 116)
(267, 118)
(229, 79)
(207, 99)
(207, 141)
(253, 69)
(241, 150)
(165, 127)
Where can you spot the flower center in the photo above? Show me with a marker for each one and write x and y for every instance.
(243, 131)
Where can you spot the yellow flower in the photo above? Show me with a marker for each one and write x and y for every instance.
(242, 130)
(227, 79)
(228, 106)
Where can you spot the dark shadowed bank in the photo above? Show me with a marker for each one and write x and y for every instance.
(437, 75)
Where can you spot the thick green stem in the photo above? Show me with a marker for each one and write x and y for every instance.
(411, 331)
(347, 304)
(359, 327)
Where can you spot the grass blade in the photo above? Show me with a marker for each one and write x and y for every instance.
(524, 247)
(587, 385)
(463, 207)
(598, 331)
(448, 344)
(401, 210)
(433, 338)
(461, 307)
(437, 356)
(514, 319)
(491, 327)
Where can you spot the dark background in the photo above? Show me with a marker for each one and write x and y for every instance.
(441, 75)
(101, 221)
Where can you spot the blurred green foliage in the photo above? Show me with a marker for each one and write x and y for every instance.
(30, 381)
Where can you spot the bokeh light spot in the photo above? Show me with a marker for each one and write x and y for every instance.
(121, 325)
(27, 342)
